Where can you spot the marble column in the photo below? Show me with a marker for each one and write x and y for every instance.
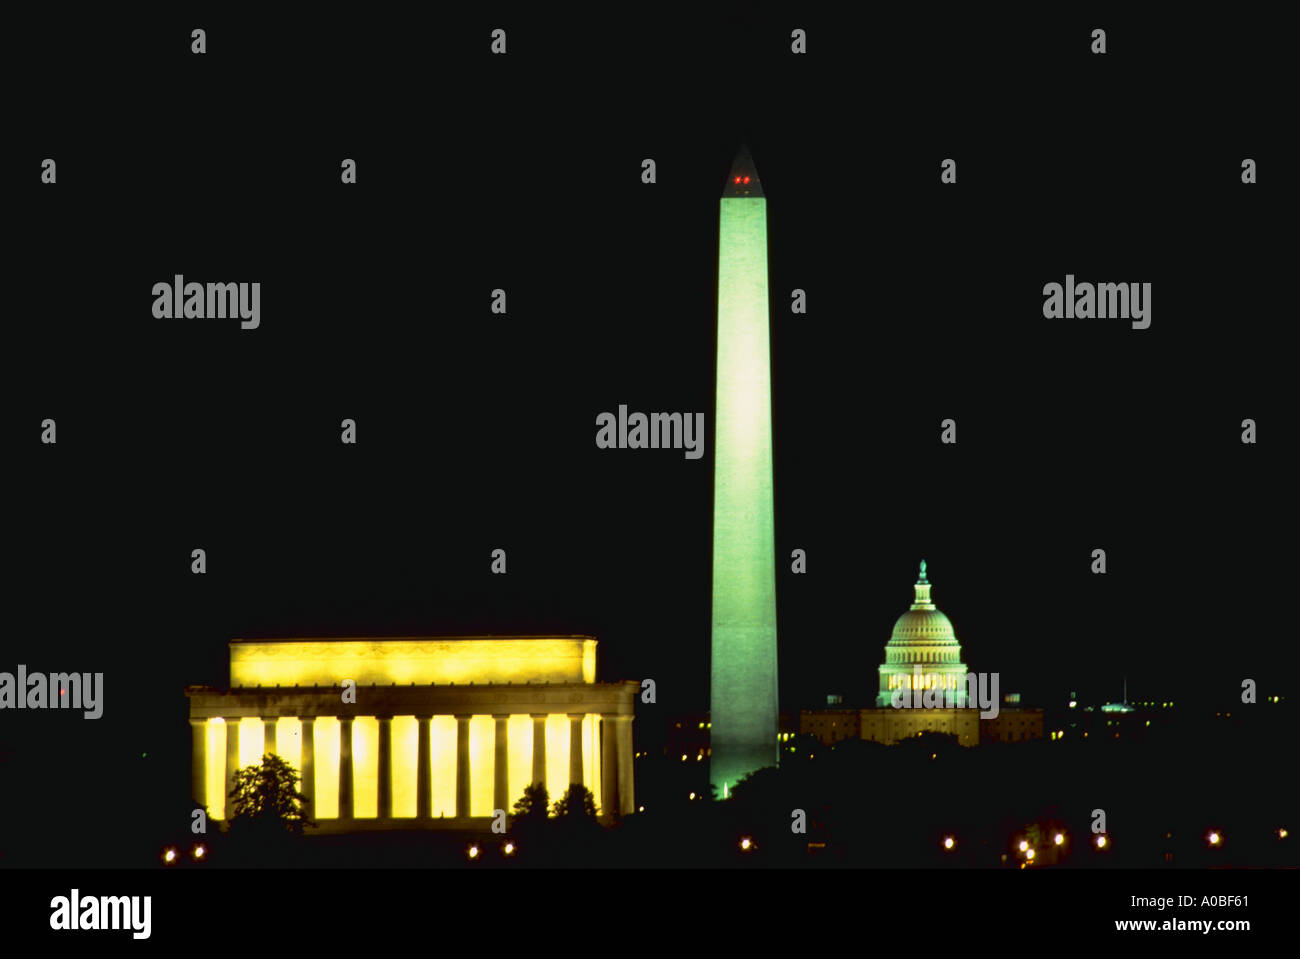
(268, 734)
(575, 748)
(501, 765)
(462, 766)
(423, 770)
(308, 762)
(199, 760)
(384, 788)
(345, 767)
(232, 758)
(539, 748)
(626, 791)
(609, 799)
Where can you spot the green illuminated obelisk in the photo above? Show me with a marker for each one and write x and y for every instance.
(743, 703)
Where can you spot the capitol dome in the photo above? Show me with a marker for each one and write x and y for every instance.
(922, 652)
(923, 626)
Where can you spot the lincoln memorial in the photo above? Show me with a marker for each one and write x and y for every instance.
(417, 732)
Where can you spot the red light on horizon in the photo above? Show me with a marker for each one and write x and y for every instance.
(746, 179)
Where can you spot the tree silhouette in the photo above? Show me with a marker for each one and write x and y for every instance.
(577, 803)
(265, 799)
(532, 806)
(758, 787)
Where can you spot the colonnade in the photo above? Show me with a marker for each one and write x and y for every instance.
(614, 736)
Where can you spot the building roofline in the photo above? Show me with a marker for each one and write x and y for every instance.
(416, 639)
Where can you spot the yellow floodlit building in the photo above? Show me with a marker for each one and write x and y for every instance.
(417, 732)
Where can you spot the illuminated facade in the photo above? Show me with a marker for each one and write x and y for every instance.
(437, 731)
(743, 683)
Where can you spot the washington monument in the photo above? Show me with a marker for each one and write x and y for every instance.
(743, 700)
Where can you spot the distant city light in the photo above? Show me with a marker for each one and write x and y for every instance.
(949, 842)
(692, 796)
(1023, 845)
(199, 851)
(1281, 833)
(1073, 703)
(1029, 854)
(1058, 838)
(472, 852)
(169, 855)
(746, 843)
(509, 849)
(1101, 842)
(1213, 838)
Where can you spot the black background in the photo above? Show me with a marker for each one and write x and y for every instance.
(476, 431)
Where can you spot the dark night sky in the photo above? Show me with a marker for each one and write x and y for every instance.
(477, 431)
